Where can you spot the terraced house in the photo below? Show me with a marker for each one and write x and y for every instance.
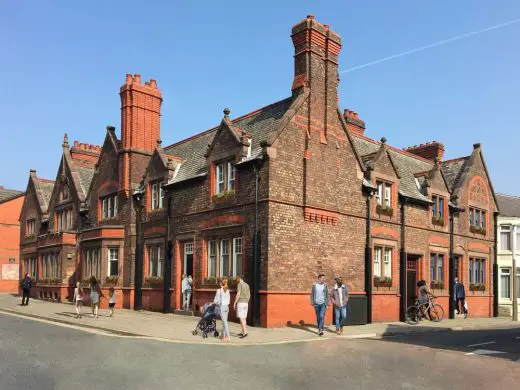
(281, 194)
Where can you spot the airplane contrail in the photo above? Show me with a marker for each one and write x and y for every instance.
(439, 43)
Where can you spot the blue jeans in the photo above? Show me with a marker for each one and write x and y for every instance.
(340, 315)
(320, 315)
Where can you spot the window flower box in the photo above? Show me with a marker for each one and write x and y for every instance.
(154, 281)
(50, 281)
(382, 281)
(437, 285)
(477, 287)
(223, 196)
(477, 230)
(439, 221)
(111, 279)
(30, 237)
(384, 210)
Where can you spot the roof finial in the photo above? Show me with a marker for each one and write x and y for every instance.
(159, 142)
(383, 140)
(65, 141)
(227, 111)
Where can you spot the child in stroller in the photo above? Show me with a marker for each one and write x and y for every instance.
(208, 322)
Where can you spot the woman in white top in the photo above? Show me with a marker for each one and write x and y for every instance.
(223, 298)
(78, 299)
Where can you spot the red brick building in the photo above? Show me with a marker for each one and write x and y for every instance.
(11, 202)
(281, 194)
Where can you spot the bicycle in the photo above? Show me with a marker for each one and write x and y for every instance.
(417, 312)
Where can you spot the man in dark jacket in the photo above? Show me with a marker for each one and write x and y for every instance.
(460, 298)
(26, 289)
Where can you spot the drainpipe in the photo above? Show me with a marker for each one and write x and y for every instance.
(138, 253)
(368, 258)
(167, 278)
(256, 252)
(495, 267)
(402, 264)
(515, 298)
(451, 269)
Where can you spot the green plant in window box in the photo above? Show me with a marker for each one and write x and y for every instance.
(30, 237)
(437, 285)
(477, 287)
(384, 210)
(154, 281)
(224, 196)
(211, 281)
(477, 230)
(111, 279)
(437, 220)
(382, 281)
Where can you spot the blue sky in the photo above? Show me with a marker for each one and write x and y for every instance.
(63, 62)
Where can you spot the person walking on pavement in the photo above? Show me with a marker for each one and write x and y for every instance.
(242, 303)
(339, 298)
(320, 300)
(26, 289)
(95, 293)
(190, 289)
(185, 289)
(78, 299)
(223, 299)
(460, 298)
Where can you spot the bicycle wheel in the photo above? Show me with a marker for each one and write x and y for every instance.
(412, 315)
(436, 313)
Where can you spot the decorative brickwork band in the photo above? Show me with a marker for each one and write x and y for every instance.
(320, 216)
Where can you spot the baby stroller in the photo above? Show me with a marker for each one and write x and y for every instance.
(208, 322)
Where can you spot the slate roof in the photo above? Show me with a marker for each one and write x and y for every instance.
(85, 176)
(6, 194)
(261, 124)
(508, 205)
(453, 170)
(406, 165)
(43, 189)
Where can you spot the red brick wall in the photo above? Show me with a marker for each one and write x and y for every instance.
(9, 242)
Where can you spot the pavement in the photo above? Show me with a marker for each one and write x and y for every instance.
(178, 328)
(45, 356)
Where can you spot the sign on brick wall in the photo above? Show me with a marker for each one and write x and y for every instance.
(9, 272)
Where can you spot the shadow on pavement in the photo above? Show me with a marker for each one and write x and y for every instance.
(497, 343)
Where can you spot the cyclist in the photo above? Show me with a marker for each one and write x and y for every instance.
(424, 298)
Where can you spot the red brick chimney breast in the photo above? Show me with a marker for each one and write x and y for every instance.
(432, 151)
(354, 123)
(140, 113)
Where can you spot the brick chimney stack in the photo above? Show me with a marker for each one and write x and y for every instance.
(140, 114)
(431, 151)
(354, 123)
(316, 51)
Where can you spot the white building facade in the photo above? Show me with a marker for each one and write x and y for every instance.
(508, 244)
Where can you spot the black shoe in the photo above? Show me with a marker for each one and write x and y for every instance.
(320, 333)
(243, 336)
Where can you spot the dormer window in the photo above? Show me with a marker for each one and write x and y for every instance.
(225, 177)
(64, 219)
(384, 194)
(438, 203)
(109, 207)
(30, 227)
(157, 195)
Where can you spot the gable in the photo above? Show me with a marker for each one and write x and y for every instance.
(475, 183)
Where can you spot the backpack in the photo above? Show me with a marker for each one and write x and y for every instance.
(26, 284)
